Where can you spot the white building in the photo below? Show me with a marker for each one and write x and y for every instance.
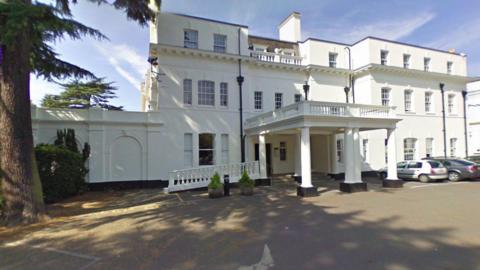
(204, 71)
(473, 115)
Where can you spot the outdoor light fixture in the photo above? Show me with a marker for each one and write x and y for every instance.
(306, 89)
(240, 80)
(346, 89)
(154, 63)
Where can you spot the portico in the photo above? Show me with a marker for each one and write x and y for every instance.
(305, 119)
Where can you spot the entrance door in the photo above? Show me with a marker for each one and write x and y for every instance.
(268, 148)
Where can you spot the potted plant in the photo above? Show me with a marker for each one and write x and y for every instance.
(246, 184)
(215, 187)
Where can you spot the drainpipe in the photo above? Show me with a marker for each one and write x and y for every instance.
(443, 118)
(240, 80)
(464, 94)
(350, 76)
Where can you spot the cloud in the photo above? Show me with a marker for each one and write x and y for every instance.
(387, 29)
(462, 36)
(125, 60)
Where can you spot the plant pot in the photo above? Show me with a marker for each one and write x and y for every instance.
(215, 193)
(246, 190)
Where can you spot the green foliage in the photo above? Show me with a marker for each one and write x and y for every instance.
(215, 182)
(62, 172)
(66, 138)
(245, 180)
(83, 95)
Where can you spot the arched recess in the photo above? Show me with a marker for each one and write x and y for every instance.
(126, 159)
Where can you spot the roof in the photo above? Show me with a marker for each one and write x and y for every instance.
(208, 20)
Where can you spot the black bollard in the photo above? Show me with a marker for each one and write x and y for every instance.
(226, 185)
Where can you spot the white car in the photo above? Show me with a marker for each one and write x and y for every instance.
(423, 170)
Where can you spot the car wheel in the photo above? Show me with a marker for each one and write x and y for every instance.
(453, 176)
(424, 178)
(383, 175)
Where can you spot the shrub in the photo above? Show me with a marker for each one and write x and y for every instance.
(62, 172)
(215, 182)
(245, 180)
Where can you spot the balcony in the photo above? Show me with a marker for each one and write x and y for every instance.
(319, 111)
(276, 57)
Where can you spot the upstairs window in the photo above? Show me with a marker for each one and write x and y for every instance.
(298, 98)
(332, 60)
(278, 100)
(383, 57)
(428, 102)
(409, 148)
(408, 101)
(406, 61)
(219, 43)
(190, 39)
(426, 64)
(206, 149)
(258, 100)
(385, 96)
(206, 93)
(451, 103)
(187, 92)
(224, 94)
(449, 67)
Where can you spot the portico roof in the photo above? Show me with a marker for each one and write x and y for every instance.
(329, 117)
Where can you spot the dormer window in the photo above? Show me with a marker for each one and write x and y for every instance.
(190, 39)
(332, 60)
(384, 57)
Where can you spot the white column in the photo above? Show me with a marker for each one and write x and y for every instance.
(333, 153)
(392, 155)
(305, 158)
(358, 156)
(349, 156)
(262, 154)
(298, 162)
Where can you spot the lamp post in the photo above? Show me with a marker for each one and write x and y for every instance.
(346, 89)
(240, 80)
(306, 89)
(350, 77)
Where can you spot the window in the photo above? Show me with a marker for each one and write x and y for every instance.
(401, 165)
(365, 149)
(332, 60)
(409, 150)
(383, 57)
(386, 150)
(188, 150)
(206, 93)
(429, 147)
(451, 103)
(258, 100)
(408, 100)
(224, 94)
(278, 100)
(219, 43)
(406, 61)
(298, 98)
(428, 102)
(414, 165)
(283, 151)
(426, 63)
(453, 147)
(225, 154)
(435, 164)
(449, 67)
(190, 39)
(206, 148)
(340, 150)
(385, 97)
(187, 92)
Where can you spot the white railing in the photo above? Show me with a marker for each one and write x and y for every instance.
(276, 57)
(317, 108)
(200, 177)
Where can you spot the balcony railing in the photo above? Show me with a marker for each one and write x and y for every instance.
(317, 108)
(276, 57)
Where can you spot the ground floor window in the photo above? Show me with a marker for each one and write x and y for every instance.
(429, 147)
(386, 150)
(365, 149)
(340, 150)
(225, 154)
(206, 149)
(283, 151)
(409, 148)
(188, 150)
(453, 147)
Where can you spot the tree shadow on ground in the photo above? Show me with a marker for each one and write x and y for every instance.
(230, 232)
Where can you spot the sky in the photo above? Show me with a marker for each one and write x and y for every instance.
(441, 24)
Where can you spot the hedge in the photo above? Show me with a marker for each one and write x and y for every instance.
(62, 172)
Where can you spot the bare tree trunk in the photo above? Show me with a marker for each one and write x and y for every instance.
(16, 139)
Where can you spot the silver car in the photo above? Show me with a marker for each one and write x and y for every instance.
(422, 170)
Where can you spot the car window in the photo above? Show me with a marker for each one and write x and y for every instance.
(461, 162)
(435, 164)
(447, 163)
(401, 165)
(414, 165)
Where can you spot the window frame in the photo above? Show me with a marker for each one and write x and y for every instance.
(407, 57)
(385, 91)
(297, 98)
(384, 60)
(188, 151)
(410, 101)
(429, 146)
(411, 154)
(428, 102)
(189, 43)
(453, 147)
(187, 92)
(258, 94)
(278, 100)
(451, 100)
(449, 67)
(332, 62)
(225, 148)
(224, 95)
(219, 48)
(282, 151)
(203, 96)
(426, 63)
(200, 150)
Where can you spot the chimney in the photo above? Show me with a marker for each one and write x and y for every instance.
(451, 50)
(290, 28)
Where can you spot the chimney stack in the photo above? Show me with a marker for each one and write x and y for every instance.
(290, 28)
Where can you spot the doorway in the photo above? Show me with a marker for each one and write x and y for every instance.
(268, 149)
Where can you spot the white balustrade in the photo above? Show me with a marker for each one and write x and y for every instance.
(199, 177)
(276, 57)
